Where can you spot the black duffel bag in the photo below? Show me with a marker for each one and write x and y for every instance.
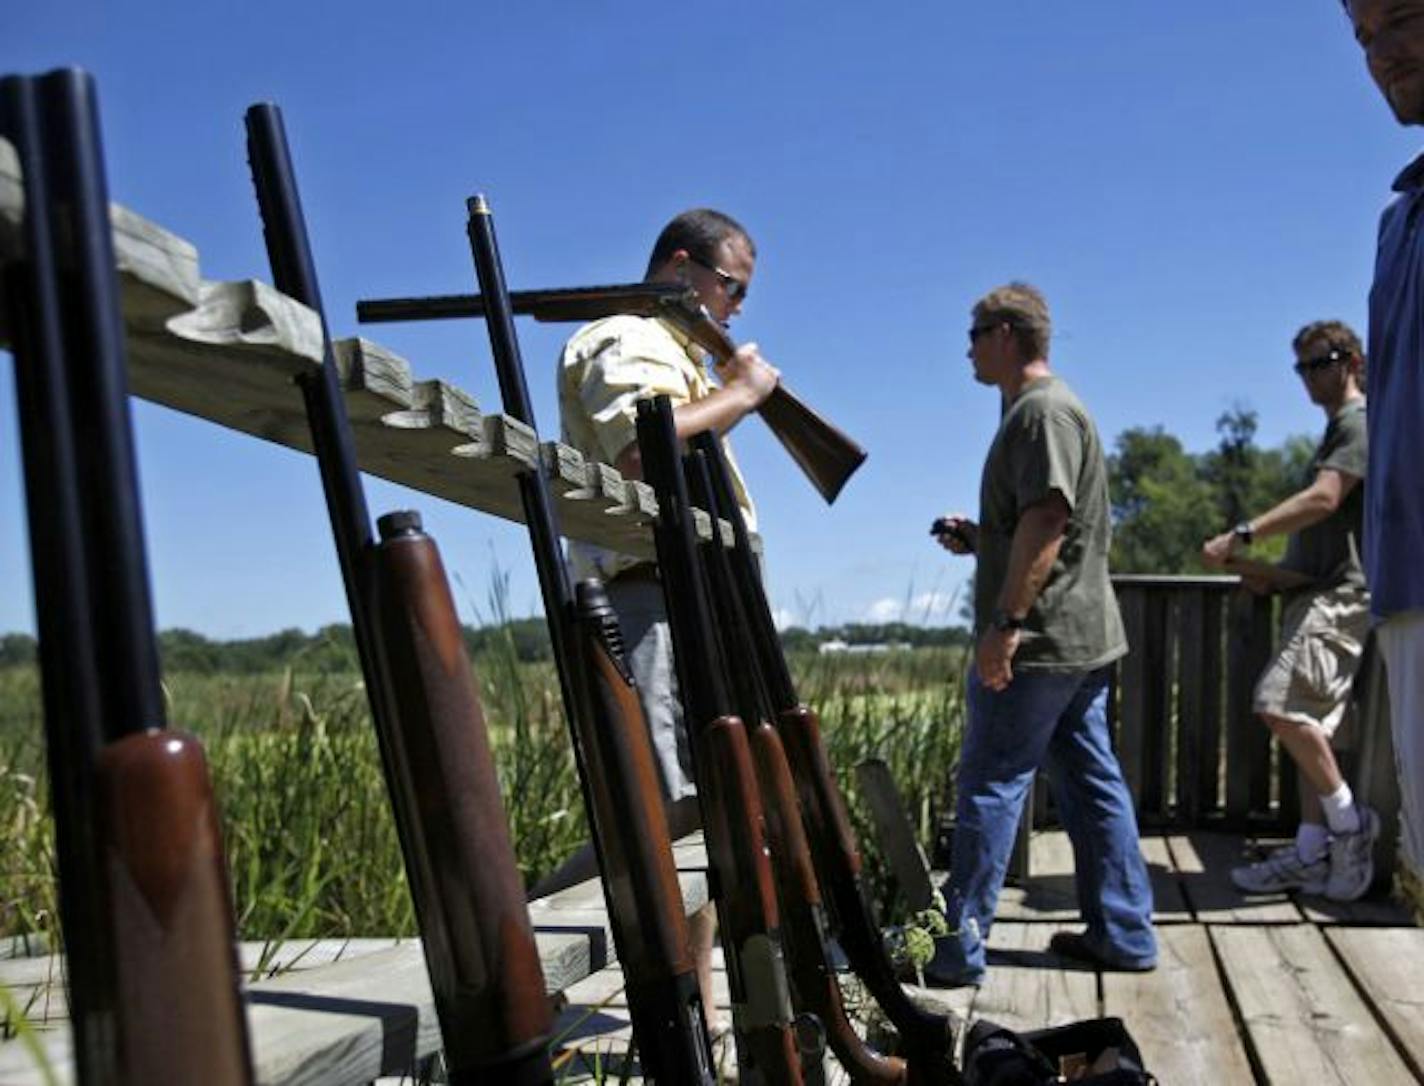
(1097, 1052)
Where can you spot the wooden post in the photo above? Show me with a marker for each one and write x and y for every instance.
(1248, 766)
(1375, 779)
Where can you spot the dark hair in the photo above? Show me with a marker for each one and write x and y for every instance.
(699, 231)
(1336, 335)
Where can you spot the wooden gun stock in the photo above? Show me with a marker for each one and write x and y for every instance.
(179, 1018)
(143, 892)
(814, 984)
(665, 1008)
(825, 453)
(469, 899)
(640, 877)
(479, 946)
(928, 1038)
(732, 814)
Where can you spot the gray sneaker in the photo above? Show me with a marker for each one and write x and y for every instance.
(1352, 858)
(1283, 869)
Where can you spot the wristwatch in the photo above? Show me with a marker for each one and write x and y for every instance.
(1002, 620)
(1244, 532)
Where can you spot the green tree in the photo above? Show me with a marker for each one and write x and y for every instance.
(1160, 504)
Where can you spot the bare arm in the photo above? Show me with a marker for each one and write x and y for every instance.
(1038, 537)
(1302, 509)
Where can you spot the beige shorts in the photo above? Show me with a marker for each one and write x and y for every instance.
(1322, 637)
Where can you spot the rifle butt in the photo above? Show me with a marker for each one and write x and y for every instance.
(824, 452)
(815, 985)
(479, 943)
(635, 851)
(179, 1010)
(928, 1038)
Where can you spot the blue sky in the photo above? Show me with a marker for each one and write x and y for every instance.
(1188, 183)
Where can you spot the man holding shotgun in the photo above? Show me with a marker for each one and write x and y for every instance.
(1047, 627)
(1302, 694)
(604, 370)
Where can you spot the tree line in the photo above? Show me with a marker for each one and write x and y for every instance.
(1165, 502)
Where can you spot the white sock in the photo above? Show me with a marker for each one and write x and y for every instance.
(1339, 808)
(1312, 841)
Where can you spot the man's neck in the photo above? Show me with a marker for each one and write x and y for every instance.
(1333, 409)
(1021, 377)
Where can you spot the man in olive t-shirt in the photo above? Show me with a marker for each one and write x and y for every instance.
(1301, 696)
(1047, 627)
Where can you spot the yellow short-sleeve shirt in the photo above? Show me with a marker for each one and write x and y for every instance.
(604, 370)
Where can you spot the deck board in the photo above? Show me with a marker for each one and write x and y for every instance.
(1179, 1015)
(1027, 987)
(1203, 861)
(1388, 964)
(1322, 999)
(1303, 1016)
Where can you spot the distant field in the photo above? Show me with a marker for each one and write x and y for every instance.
(311, 844)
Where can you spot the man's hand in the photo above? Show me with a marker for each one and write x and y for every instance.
(749, 374)
(956, 533)
(993, 658)
(1218, 550)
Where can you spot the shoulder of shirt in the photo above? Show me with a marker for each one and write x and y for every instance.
(623, 329)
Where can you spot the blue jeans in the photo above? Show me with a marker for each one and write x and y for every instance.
(1058, 721)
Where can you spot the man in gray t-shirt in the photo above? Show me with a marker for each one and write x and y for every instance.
(1046, 627)
(1301, 696)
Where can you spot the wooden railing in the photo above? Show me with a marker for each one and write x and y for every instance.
(1194, 753)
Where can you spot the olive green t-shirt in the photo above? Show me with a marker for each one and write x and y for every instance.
(1329, 551)
(1046, 442)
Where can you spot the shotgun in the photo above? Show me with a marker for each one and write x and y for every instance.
(495, 1017)
(813, 978)
(611, 745)
(145, 903)
(927, 1038)
(732, 812)
(826, 454)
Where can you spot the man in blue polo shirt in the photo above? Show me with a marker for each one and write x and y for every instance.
(1391, 32)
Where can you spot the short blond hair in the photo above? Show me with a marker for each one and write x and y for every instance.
(1024, 309)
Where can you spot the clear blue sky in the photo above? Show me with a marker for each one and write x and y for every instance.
(1188, 184)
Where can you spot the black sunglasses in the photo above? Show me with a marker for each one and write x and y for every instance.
(1319, 362)
(977, 330)
(733, 287)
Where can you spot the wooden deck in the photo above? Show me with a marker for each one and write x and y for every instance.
(1268, 989)
(1259, 989)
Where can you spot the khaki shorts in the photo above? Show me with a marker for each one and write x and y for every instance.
(1322, 637)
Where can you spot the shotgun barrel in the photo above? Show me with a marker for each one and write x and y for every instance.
(927, 1038)
(732, 811)
(145, 901)
(814, 983)
(611, 745)
(824, 452)
(478, 943)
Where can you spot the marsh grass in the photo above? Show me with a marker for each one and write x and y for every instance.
(311, 844)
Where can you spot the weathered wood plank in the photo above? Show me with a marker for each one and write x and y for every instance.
(1247, 739)
(895, 836)
(1029, 988)
(1203, 862)
(1388, 964)
(1304, 1019)
(1179, 1014)
(367, 1011)
(232, 352)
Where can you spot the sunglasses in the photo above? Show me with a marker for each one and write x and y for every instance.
(978, 330)
(732, 287)
(1319, 362)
